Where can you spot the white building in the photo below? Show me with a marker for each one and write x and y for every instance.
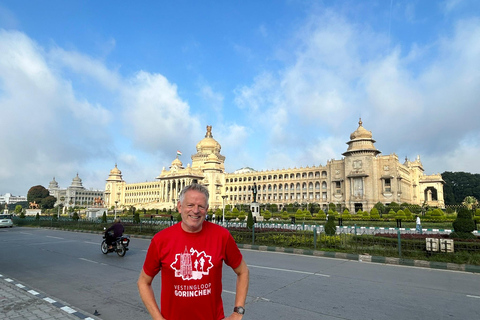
(75, 195)
(8, 198)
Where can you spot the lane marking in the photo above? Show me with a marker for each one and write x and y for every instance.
(288, 270)
(470, 296)
(88, 260)
(55, 237)
(228, 291)
(95, 243)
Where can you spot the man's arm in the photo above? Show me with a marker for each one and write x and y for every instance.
(145, 289)
(242, 289)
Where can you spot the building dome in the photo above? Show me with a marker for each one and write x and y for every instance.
(77, 182)
(115, 174)
(361, 142)
(208, 144)
(176, 163)
(361, 132)
(53, 184)
(115, 171)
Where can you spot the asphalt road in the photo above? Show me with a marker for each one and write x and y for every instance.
(71, 267)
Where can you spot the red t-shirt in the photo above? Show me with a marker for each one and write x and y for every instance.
(191, 265)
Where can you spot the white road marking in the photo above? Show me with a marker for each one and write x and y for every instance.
(288, 270)
(68, 309)
(35, 293)
(470, 296)
(49, 300)
(88, 260)
(95, 243)
(20, 285)
(55, 237)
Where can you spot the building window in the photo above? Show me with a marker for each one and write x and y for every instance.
(388, 185)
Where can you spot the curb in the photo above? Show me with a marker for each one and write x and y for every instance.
(368, 258)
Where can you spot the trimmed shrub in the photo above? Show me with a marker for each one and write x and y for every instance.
(464, 225)
(330, 228)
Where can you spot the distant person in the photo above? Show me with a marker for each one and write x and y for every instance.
(115, 231)
(190, 256)
(418, 225)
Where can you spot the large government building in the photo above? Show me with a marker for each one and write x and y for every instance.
(358, 181)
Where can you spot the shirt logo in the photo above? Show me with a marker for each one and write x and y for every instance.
(192, 265)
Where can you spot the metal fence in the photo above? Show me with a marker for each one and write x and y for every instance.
(378, 241)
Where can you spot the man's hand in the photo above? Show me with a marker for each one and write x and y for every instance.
(234, 316)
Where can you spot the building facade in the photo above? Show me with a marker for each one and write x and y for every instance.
(358, 181)
(8, 198)
(75, 195)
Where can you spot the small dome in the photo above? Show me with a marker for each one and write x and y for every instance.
(53, 184)
(115, 171)
(177, 163)
(76, 182)
(361, 132)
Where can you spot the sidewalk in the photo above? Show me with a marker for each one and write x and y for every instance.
(18, 302)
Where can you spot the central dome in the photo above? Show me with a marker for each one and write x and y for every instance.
(208, 144)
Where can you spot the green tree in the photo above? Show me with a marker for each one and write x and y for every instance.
(330, 228)
(48, 202)
(37, 194)
(18, 209)
(380, 208)
(250, 222)
(470, 202)
(459, 185)
(75, 216)
(104, 217)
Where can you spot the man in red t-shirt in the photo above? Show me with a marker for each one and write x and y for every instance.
(190, 256)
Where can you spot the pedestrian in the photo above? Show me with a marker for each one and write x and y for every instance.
(190, 256)
(213, 218)
(418, 228)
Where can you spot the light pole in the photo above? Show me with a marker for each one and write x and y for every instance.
(115, 209)
(223, 202)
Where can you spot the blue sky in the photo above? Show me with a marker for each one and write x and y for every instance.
(87, 84)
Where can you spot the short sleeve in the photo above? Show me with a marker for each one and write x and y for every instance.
(233, 256)
(152, 264)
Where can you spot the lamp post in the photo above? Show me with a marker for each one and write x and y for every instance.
(223, 202)
(115, 209)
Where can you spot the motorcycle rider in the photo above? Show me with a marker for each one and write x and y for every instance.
(117, 229)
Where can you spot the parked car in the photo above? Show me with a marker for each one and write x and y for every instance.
(6, 220)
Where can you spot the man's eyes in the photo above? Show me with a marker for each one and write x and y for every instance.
(192, 205)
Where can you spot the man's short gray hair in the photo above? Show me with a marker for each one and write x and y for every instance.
(196, 187)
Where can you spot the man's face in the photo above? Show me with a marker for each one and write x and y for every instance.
(193, 210)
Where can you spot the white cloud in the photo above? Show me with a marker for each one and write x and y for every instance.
(424, 101)
(155, 116)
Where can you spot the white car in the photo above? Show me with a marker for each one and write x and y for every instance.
(6, 220)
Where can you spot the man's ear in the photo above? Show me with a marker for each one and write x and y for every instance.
(178, 206)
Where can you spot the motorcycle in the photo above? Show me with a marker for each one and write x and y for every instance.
(120, 245)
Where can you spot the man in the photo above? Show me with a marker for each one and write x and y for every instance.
(190, 255)
(418, 225)
(115, 231)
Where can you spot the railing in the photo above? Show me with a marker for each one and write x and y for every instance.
(374, 241)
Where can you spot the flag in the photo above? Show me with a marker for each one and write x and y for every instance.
(179, 153)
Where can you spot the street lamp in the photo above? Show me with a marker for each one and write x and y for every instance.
(223, 202)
